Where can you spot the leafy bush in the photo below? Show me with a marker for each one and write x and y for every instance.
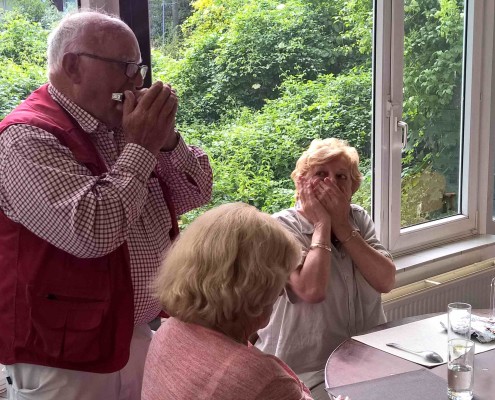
(17, 81)
(423, 197)
(22, 40)
(254, 152)
(43, 12)
(23, 58)
(237, 53)
(433, 85)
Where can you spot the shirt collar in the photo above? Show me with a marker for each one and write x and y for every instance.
(307, 228)
(85, 120)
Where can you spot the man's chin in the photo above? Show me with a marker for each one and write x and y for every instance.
(117, 113)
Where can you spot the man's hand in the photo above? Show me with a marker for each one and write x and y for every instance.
(150, 120)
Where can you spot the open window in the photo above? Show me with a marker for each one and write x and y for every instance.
(427, 101)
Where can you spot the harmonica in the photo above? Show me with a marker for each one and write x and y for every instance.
(118, 97)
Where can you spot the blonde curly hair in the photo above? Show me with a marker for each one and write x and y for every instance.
(228, 266)
(321, 151)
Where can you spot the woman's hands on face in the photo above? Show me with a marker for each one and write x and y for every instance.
(311, 206)
(335, 201)
(324, 202)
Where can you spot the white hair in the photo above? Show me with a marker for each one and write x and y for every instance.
(71, 30)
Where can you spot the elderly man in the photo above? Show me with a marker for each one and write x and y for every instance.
(90, 189)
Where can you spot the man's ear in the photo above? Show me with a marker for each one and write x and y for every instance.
(72, 67)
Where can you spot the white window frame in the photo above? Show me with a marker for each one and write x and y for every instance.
(487, 128)
(388, 52)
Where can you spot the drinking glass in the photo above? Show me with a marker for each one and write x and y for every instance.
(460, 367)
(459, 321)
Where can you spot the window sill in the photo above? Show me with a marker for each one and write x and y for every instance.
(427, 263)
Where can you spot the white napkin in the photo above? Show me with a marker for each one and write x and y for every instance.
(483, 328)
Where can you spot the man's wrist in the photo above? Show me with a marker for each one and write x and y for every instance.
(176, 138)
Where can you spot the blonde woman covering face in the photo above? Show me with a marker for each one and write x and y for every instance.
(335, 292)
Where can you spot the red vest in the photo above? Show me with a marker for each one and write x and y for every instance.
(57, 309)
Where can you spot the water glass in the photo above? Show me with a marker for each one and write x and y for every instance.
(460, 367)
(459, 321)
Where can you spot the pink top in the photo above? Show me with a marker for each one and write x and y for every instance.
(188, 361)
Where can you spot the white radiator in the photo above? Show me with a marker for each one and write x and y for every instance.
(470, 284)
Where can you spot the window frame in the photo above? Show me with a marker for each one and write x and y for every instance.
(387, 144)
(487, 126)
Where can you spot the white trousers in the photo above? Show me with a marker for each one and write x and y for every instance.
(37, 382)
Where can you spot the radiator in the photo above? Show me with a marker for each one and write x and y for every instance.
(469, 284)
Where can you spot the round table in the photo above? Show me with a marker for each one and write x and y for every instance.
(354, 362)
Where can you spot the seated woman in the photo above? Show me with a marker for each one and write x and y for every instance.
(219, 283)
(335, 291)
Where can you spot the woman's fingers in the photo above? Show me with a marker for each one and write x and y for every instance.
(305, 190)
(334, 201)
(324, 194)
(330, 193)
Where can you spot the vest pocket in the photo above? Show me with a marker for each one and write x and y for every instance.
(67, 328)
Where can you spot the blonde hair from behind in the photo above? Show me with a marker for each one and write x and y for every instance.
(321, 151)
(228, 266)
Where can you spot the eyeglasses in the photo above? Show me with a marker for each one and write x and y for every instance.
(131, 68)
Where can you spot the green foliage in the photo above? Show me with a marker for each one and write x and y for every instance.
(357, 17)
(164, 34)
(433, 84)
(363, 195)
(236, 70)
(23, 58)
(330, 106)
(17, 81)
(237, 53)
(161, 62)
(22, 40)
(422, 197)
(243, 160)
(40, 11)
(254, 152)
(258, 81)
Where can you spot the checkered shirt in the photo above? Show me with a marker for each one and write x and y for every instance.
(45, 189)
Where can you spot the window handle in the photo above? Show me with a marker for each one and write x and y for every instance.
(404, 128)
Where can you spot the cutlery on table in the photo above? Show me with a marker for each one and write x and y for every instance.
(430, 356)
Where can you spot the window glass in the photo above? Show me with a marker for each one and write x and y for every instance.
(432, 109)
